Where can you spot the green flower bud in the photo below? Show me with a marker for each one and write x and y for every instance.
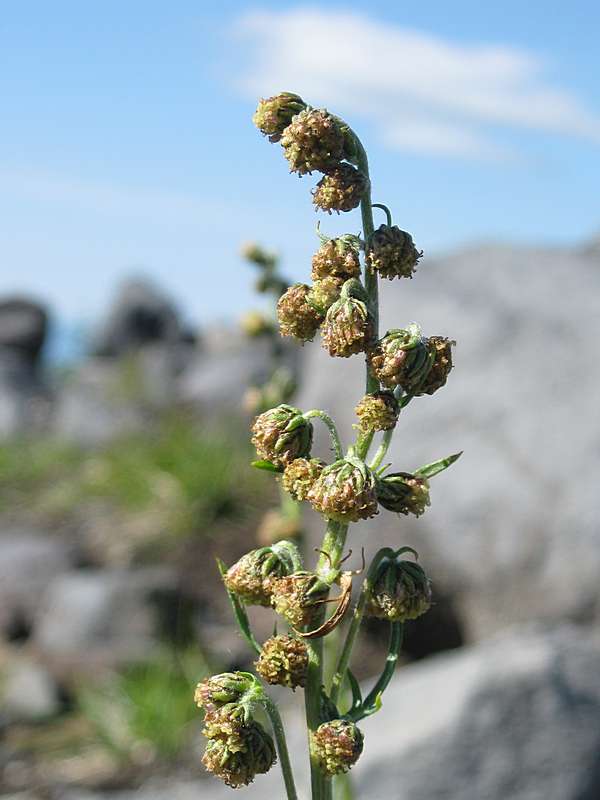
(249, 578)
(404, 357)
(348, 326)
(296, 597)
(324, 293)
(345, 491)
(297, 316)
(403, 493)
(336, 258)
(257, 255)
(341, 189)
(276, 526)
(392, 252)
(440, 349)
(238, 762)
(314, 140)
(255, 324)
(378, 411)
(401, 591)
(283, 661)
(274, 114)
(282, 434)
(336, 745)
(299, 476)
(223, 690)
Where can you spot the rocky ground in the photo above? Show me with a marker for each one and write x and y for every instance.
(512, 709)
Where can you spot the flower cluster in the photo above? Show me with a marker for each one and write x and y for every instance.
(401, 591)
(238, 747)
(251, 577)
(283, 661)
(337, 745)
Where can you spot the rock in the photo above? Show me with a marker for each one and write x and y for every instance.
(227, 365)
(29, 562)
(512, 533)
(140, 314)
(99, 402)
(103, 616)
(518, 717)
(24, 396)
(29, 692)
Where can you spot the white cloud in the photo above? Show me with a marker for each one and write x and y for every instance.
(423, 92)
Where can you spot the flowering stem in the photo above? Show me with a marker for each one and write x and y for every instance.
(282, 750)
(344, 659)
(331, 553)
(335, 437)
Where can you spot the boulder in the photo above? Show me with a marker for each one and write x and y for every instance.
(140, 314)
(29, 562)
(24, 395)
(102, 616)
(512, 533)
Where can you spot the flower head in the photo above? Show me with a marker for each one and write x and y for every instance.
(341, 189)
(274, 114)
(226, 689)
(392, 252)
(299, 476)
(345, 491)
(337, 745)
(348, 326)
(336, 258)
(298, 597)
(239, 760)
(249, 578)
(377, 411)
(314, 140)
(401, 591)
(297, 316)
(406, 358)
(324, 293)
(403, 493)
(283, 661)
(282, 434)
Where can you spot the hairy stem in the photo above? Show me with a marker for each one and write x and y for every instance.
(282, 750)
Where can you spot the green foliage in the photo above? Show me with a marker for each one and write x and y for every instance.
(178, 476)
(146, 709)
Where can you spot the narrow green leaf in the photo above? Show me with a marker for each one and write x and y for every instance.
(239, 613)
(355, 688)
(268, 466)
(429, 470)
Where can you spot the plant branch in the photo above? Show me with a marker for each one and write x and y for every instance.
(282, 750)
(335, 437)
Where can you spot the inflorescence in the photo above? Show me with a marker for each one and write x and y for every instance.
(341, 302)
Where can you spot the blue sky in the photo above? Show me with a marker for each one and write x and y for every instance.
(126, 144)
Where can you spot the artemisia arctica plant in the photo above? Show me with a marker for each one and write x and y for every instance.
(310, 601)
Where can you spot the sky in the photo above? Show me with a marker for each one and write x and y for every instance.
(127, 148)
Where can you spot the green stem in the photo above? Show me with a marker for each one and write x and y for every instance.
(331, 554)
(282, 750)
(335, 437)
(344, 659)
(382, 449)
(372, 702)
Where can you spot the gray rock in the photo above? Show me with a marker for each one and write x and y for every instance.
(29, 562)
(24, 395)
(513, 529)
(103, 616)
(140, 314)
(518, 717)
(29, 692)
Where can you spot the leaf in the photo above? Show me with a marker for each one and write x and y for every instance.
(239, 613)
(267, 466)
(429, 470)
(355, 688)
